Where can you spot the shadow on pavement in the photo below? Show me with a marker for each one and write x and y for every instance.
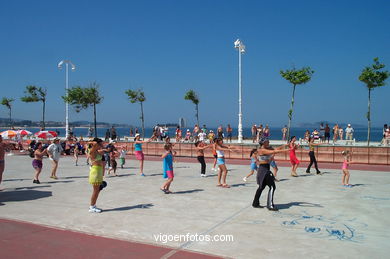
(282, 180)
(75, 177)
(11, 180)
(60, 181)
(31, 188)
(26, 195)
(154, 174)
(189, 191)
(237, 185)
(122, 175)
(300, 204)
(139, 206)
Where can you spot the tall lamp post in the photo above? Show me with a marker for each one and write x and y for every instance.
(67, 63)
(241, 49)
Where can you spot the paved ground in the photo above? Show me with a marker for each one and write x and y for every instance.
(317, 218)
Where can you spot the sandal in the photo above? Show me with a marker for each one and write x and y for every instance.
(225, 186)
(219, 185)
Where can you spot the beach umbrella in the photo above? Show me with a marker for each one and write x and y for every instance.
(24, 132)
(46, 134)
(8, 134)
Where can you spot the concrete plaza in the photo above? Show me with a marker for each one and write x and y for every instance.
(317, 217)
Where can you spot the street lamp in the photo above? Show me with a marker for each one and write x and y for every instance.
(67, 63)
(241, 49)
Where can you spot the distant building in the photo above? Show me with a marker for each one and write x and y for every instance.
(182, 123)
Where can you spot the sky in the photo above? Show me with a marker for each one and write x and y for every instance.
(169, 47)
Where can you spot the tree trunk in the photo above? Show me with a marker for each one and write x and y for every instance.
(10, 119)
(197, 114)
(94, 119)
(142, 121)
(290, 112)
(43, 115)
(369, 117)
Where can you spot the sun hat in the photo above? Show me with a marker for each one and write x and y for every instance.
(137, 134)
(349, 125)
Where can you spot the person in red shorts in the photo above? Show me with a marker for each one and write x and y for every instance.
(293, 158)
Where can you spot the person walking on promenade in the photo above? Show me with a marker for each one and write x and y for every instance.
(96, 173)
(264, 175)
(346, 163)
(3, 147)
(220, 132)
(293, 158)
(341, 133)
(327, 133)
(254, 133)
(312, 156)
(122, 156)
(335, 133)
(266, 132)
(284, 132)
(220, 148)
(107, 136)
(200, 147)
(113, 133)
(178, 134)
(167, 168)
(349, 134)
(54, 151)
(37, 162)
(138, 152)
(253, 165)
(229, 133)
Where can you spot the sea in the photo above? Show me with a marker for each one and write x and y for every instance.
(360, 134)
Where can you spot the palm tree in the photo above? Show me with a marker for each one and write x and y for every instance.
(7, 103)
(295, 77)
(138, 96)
(36, 94)
(82, 98)
(193, 97)
(373, 77)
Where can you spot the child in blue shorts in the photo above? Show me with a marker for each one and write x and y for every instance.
(254, 160)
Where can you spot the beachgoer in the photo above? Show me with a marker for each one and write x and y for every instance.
(87, 149)
(188, 136)
(122, 156)
(113, 133)
(293, 158)
(284, 132)
(349, 134)
(178, 134)
(54, 151)
(107, 136)
(307, 135)
(37, 162)
(138, 152)
(346, 163)
(200, 147)
(76, 152)
(254, 133)
(96, 173)
(167, 168)
(335, 132)
(312, 156)
(327, 133)
(113, 155)
(260, 131)
(341, 133)
(229, 132)
(253, 165)
(214, 150)
(322, 132)
(211, 136)
(266, 132)
(220, 132)
(264, 175)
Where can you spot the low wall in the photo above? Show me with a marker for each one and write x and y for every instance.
(332, 154)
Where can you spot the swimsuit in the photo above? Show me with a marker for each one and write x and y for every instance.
(168, 166)
(345, 165)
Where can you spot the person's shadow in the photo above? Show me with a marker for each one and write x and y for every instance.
(139, 206)
(296, 203)
(23, 195)
(189, 191)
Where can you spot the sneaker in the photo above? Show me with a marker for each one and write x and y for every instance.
(54, 177)
(257, 206)
(93, 209)
(202, 175)
(272, 208)
(319, 172)
(308, 172)
(277, 179)
(244, 179)
(36, 181)
(143, 174)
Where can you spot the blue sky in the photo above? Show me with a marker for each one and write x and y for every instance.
(169, 47)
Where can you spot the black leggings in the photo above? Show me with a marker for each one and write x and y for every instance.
(312, 160)
(203, 164)
(265, 178)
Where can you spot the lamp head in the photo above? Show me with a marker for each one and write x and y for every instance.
(237, 43)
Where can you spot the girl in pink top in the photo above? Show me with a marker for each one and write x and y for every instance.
(293, 158)
(346, 163)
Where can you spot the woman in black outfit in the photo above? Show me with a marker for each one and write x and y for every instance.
(264, 175)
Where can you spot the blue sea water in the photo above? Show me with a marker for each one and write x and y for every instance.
(360, 134)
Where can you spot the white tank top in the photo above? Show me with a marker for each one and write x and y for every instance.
(220, 153)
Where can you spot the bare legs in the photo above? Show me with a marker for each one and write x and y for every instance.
(167, 184)
(1, 172)
(37, 172)
(95, 194)
(222, 176)
(294, 170)
(141, 167)
(54, 169)
(345, 178)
